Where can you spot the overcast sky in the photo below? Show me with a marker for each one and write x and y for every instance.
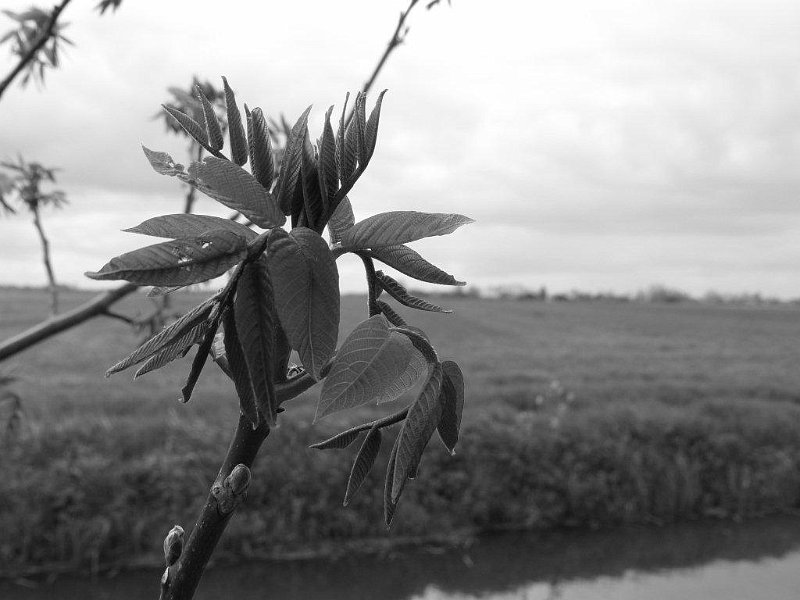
(599, 145)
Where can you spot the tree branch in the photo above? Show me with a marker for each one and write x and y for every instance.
(47, 33)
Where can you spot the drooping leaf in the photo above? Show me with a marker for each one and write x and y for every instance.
(366, 366)
(291, 163)
(162, 163)
(260, 149)
(176, 349)
(255, 324)
(363, 463)
(452, 400)
(189, 125)
(341, 220)
(326, 165)
(371, 132)
(235, 128)
(399, 227)
(178, 262)
(389, 501)
(213, 130)
(184, 225)
(199, 362)
(390, 314)
(237, 365)
(306, 288)
(421, 422)
(237, 189)
(399, 293)
(339, 441)
(172, 332)
(313, 201)
(410, 263)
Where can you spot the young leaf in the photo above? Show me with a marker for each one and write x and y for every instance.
(421, 422)
(410, 263)
(371, 132)
(360, 120)
(162, 163)
(399, 227)
(328, 174)
(341, 220)
(179, 262)
(235, 128)
(351, 145)
(173, 350)
(237, 365)
(190, 126)
(260, 149)
(255, 324)
(183, 225)
(170, 333)
(306, 287)
(290, 165)
(340, 137)
(390, 314)
(338, 441)
(316, 205)
(366, 366)
(363, 463)
(452, 400)
(199, 362)
(399, 293)
(237, 189)
(214, 131)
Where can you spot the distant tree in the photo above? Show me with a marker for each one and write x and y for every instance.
(25, 186)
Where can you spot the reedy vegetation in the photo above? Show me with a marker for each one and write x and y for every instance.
(283, 294)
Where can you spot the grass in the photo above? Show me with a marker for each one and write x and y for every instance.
(679, 412)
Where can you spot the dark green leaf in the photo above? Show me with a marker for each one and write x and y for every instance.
(291, 163)
(237, 365)
(179, 262)
(256, 324)
(183, 225)
(173, 332)
(313, 201)
(326, 165)
(366, 366)
(400, 227)
(338, 441)
(260, 149)
(237, 189)
(341, 220)
(421, 422)
(452, 400)
(235, 128)
(363, 463)
(214, 131)
(306, 285)
(410, 263)
(399, 293)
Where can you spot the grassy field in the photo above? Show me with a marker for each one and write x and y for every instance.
(679, 411)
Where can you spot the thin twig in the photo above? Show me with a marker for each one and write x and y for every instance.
(46, 34)
(120, 317)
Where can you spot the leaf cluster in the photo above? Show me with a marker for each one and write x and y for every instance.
(24, 180)
(283, 290)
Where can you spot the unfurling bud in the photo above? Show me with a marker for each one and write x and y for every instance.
(239, 479)
(173, 545)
